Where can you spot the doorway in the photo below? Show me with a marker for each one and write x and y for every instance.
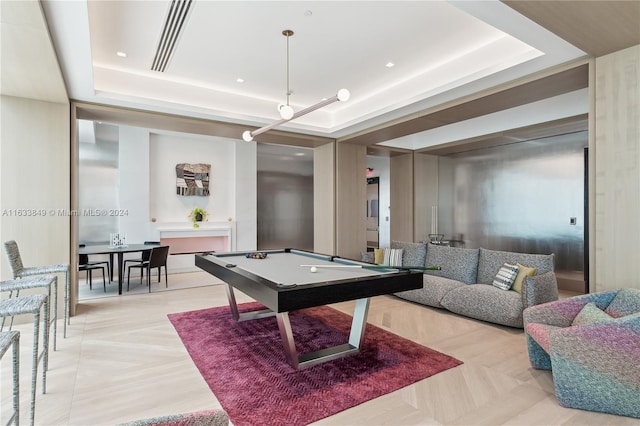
(285, 197)
(373, 213)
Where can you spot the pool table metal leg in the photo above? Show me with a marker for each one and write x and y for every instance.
(356, 338)
(245, 316)
(359, 322)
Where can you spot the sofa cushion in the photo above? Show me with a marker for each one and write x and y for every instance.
(505, 277)
(455, 263)
(413, 254)
(487, 303)
(626, 302)
(539, 289)
(523, 271)
(490, 261)
(591, 314)
(433, 289)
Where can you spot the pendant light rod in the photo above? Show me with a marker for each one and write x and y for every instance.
(287, 34)
(342, 96)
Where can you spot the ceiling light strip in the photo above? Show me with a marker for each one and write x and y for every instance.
(177, 16)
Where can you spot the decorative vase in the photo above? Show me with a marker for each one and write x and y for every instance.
(198, 217)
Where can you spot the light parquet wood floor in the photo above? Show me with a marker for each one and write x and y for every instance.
(122, 360)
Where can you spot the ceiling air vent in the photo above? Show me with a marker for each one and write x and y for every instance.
(173, 24)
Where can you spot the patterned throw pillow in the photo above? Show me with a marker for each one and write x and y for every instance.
(413, 254)
(591, 314)
(506, 276)
(392, 257)
(523, 271)
(626, 302)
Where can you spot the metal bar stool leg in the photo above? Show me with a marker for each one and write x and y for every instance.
(12, 338)
(67, 318)
(33, 304)
(54, 317)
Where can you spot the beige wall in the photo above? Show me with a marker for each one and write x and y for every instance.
(324, 192)
(34, 181)
(351, 196)
(615, 149)
(426, 193)
(402, 197)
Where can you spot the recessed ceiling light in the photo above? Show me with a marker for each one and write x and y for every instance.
(121, 54)
(390, 65)
(239, 80)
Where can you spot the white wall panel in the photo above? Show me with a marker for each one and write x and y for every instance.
(133, 184)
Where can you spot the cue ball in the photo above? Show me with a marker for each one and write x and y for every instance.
(313, 269)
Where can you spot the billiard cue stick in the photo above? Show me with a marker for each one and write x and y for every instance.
(422, 268)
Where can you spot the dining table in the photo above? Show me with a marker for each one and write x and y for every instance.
(116, 250)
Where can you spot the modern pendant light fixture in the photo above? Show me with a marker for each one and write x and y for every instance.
(286, 111)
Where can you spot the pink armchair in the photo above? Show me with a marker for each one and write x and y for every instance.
(594, 359)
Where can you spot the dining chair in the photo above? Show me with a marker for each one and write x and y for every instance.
(89, 267)
(97, 262)
(144, 256)
(157, 259)
(20, 271)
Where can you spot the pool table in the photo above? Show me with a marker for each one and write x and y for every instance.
(283, 282)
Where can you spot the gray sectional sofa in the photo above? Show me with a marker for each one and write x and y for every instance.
(463, 285)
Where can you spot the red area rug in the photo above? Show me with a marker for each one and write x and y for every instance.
(245, 366)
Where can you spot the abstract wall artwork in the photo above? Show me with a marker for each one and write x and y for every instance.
(192, 179)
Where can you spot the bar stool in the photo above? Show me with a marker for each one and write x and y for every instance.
(48, 281)
(8, 339)
(33, 304)
(20, 271)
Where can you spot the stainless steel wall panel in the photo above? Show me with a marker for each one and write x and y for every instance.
(518, 197)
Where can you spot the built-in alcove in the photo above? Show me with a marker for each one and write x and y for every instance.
(131, 171)
(377, 212)
(373, 212)
(525, 197)
(285, 194)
